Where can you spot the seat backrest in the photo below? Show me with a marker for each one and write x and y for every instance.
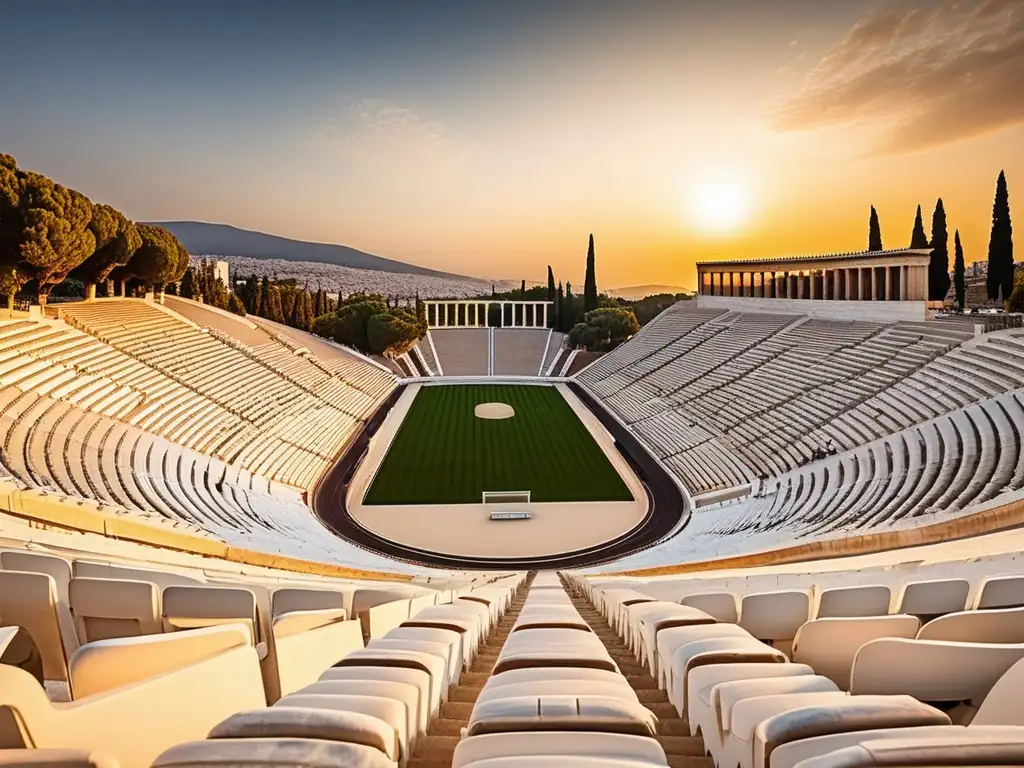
(854, 601)
(931, 670)
(721, 605)
(156, 712)
(1000, 592)
(774, 616)
(829, 646)
(29, 601)
(189, 607)
(381, 619)
(103, 665)
(109, 608)
(999, 625)
(928, 599)
(308, 642)
(93, 570)
(1002, 704)
(288, 599)
(60, 570)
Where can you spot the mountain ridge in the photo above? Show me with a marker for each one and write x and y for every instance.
(203, 238)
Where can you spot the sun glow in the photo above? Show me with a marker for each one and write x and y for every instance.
(721, 205)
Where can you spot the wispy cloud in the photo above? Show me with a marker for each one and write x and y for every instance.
(920, 77)
(381, 129)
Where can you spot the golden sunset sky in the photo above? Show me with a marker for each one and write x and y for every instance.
(491, 139)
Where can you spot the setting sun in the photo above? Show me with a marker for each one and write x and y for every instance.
(721, 205)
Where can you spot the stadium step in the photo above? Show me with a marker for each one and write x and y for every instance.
(436, 749)
(682, 750)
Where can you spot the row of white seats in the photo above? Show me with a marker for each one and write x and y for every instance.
(762, 701)
(556, 697)
(350, 696)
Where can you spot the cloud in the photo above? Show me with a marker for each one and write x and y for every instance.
(375, 129)
(919, 77)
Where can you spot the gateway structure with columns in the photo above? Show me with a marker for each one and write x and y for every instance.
(473, 313)
(830, 283)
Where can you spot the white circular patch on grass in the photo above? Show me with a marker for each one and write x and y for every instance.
(494, 411)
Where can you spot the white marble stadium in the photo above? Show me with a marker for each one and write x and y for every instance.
(844, 587)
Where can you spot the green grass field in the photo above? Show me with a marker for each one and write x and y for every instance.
(444, 454)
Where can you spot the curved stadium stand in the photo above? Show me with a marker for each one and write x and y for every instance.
(159, 564)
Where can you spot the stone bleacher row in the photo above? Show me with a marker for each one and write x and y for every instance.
(172, 657)
(914, 673)
(931, 472)
(52, 444)
(466, 351)
(138, 364)
(724, 397)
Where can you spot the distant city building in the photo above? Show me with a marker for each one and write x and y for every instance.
(976, 269)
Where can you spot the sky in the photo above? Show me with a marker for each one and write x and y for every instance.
(491, 139)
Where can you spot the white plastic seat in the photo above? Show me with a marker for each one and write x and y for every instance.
(272, 753)
(703, 697)
(721, 605)
(715, 650)
(830, 645)
(595, 745)
(854, 602)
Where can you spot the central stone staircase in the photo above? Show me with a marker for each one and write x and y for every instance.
(437, 748)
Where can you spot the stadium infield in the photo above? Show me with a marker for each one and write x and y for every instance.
(443, 453)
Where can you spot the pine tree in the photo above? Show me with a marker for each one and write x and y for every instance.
(938, 267)
(874, 232)
(918, 239)
(590, 283)
(959, 269)
(1000, 245)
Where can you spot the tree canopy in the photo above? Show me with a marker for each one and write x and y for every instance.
(367, 323)
(117, 240)
(159, 260)
(603, 329)
(959, 271)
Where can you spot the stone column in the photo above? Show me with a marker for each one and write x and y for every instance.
(814, 284)
(545, 315)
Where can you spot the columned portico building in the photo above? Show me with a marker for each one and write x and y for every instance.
(868, 276)
(473, 313)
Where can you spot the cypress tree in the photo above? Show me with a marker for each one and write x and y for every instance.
(959, 268)
(874, 232)
(568, 311)
(590, 282)
(265, 310)
(938, 267)
(295, 316)
(188, 284)
(522, 291)
(552, 320)
(276, 311)
(918, 239)
(559, 306)
(1000, 245)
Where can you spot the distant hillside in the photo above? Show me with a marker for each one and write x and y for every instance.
(640, 291)
(202, 239)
